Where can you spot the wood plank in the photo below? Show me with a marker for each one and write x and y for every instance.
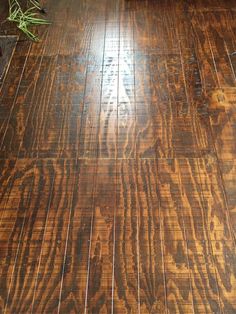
(176, 265)
(205, 286)
(221, 45)
(126, 273)
(101, 259)
(222, 119)
(74, 288)
(47, 293)
(228, 170)
(214, 202)
(204, 52)
(33, 129)
(224, 256)
(151, 249)
(18, 116)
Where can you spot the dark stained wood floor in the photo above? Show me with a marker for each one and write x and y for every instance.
(118, 160)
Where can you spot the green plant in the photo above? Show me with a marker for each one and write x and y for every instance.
(26, 19)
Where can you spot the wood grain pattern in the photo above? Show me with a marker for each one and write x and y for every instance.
(117, 160)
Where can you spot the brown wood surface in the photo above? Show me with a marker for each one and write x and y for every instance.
(117, 160)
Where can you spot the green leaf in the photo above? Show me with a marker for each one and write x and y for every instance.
(25, 20)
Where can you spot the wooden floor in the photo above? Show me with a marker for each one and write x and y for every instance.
(118, 160)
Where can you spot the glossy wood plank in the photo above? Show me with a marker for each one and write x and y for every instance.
(74, 289)
(126, 290)
(27, 225)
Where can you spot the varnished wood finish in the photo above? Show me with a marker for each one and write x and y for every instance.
(117, 158)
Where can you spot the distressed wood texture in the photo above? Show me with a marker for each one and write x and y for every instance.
(117, 160)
